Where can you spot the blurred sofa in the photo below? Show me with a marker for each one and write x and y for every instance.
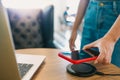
(32, 28)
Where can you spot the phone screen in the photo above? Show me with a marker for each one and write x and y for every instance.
(74, 56)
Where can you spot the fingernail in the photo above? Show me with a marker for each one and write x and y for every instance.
(95, 62)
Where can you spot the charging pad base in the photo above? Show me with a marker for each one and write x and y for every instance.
(81, 70)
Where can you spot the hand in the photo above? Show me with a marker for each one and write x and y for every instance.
(72, 40)
(105, 47)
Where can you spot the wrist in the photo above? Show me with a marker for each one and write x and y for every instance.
(110, 37)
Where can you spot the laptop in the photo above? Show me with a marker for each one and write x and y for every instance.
(14, 66)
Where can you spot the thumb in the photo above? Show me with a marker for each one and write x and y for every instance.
(88, 46)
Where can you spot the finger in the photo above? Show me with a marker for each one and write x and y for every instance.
(89, 46)
(107, 59)
(100, 58)
(71, 45)
(72, 48)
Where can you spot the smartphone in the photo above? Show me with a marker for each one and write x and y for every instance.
(93, 51)
(73, 56)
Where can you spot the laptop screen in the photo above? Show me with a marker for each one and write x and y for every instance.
(8, 65)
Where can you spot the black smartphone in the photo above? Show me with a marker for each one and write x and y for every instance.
(93, 51)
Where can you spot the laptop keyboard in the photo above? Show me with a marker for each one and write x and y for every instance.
(24, 68)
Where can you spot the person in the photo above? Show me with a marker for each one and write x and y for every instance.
(106, 43)
(66, 15)
(98, 17)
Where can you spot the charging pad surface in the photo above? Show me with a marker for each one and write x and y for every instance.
(82, 70)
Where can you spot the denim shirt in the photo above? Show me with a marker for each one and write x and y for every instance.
(99, 18)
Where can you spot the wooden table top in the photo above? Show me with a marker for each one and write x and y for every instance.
(54, 68)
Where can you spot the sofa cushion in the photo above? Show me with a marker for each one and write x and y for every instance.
(26, 28)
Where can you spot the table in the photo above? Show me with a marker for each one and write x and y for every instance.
(54, 68)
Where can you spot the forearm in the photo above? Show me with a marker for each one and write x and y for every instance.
(114, 33)
(80, 13)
